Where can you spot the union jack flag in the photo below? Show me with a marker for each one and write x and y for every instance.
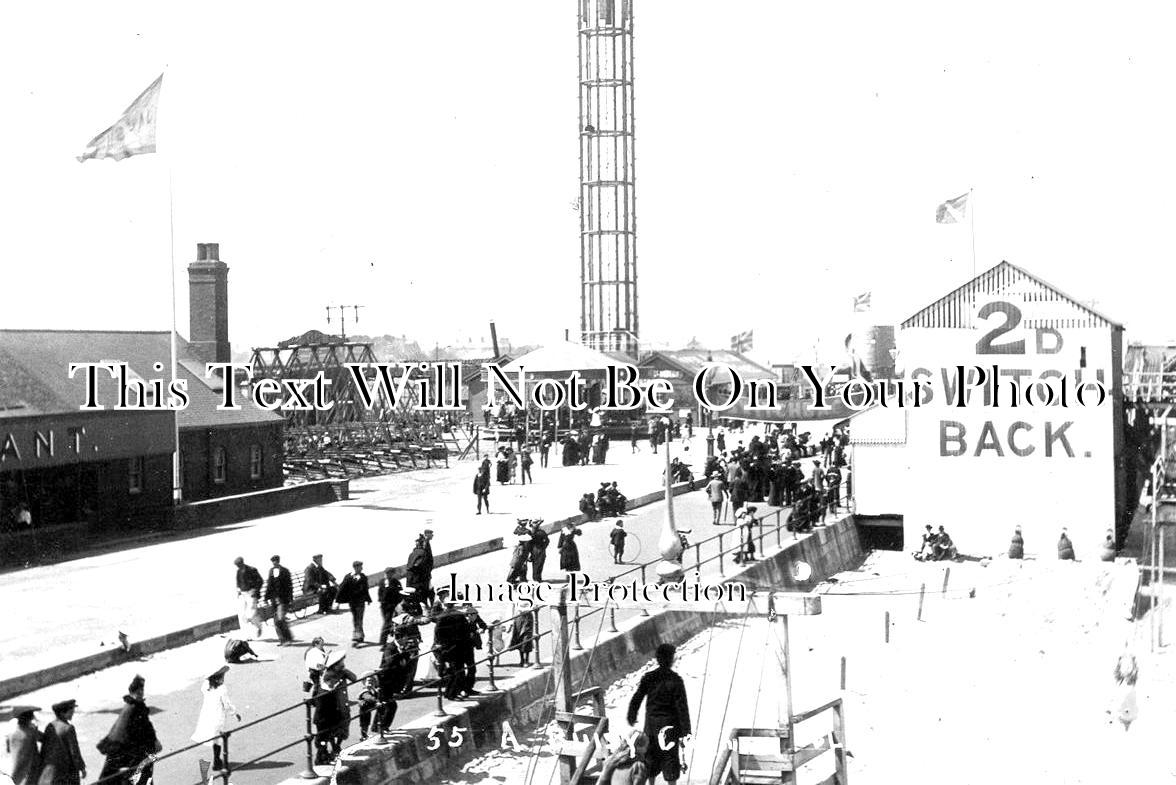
(742, 342)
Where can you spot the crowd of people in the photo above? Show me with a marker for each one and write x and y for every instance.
(766, 467)
(531, 544)
(459, 632)
(782, 469)
(607, 502)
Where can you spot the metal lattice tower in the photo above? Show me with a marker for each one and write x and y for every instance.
(608, 217)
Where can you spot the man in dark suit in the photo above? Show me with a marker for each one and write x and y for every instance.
(451, 640)
(279, 590)
(420, 567)
(316, 579)
(354, 591)
(389, 595)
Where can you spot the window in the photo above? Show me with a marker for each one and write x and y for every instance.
(255, 462)
(135, 475)
(220, 467)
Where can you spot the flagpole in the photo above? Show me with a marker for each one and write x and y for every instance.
(177, 490)
(972, 222)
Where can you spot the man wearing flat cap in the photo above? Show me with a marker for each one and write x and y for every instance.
(279, 591)
(249, 586)
(61, 758)
(22, 761)
(354, 591)
(316, 579)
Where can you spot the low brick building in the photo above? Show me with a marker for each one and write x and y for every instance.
(112, 469)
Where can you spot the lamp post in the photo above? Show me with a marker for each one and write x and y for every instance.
(669, 569)
(710, 434)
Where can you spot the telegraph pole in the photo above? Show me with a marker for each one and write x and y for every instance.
(343, 316)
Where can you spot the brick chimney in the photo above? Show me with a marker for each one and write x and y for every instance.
(208, 305)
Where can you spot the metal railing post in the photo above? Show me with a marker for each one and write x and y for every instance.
(644, 610)
(697, 557)
(490, 665)
(227, 770)
(721, 572)
(309, 772)
(612, 618)
(440, 712)
(576, 630)
(536, 637)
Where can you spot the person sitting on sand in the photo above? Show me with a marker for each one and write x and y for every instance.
(926, 551)
(943, 548)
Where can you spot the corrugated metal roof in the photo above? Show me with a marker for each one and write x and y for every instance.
(957, 309)
(34, 370)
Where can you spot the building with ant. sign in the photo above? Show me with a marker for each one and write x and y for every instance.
(1020, 422)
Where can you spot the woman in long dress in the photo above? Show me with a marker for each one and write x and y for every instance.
(215, 714)
(569, 554)
(502, 467)
(522, 635)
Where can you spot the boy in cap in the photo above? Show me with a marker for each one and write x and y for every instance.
(617, 539)
(667, 715)
(315, 661)
(61, 758)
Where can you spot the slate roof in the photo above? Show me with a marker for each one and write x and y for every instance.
(561, 357)
(34, 374)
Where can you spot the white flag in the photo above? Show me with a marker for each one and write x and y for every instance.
(133, 133)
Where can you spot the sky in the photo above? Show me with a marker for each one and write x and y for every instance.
(421, 160)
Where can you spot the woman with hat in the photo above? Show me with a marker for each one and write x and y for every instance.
(23, 761)
(521, 554)
(569, 554)
(522, 633)
(61, 758)
(215, 713)
(131, 741)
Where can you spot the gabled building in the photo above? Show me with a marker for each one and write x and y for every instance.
(681, 367)
(993, 464)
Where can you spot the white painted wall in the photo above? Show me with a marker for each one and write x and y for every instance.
(911, 468)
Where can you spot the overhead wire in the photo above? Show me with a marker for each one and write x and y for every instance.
(731, 684)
